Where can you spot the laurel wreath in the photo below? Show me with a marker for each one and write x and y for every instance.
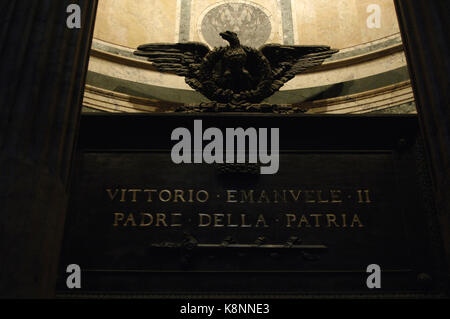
(208, 76)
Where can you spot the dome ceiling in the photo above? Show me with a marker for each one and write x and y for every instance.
(371, 56)
(339, 23)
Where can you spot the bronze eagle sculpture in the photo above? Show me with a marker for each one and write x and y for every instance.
(235, 74)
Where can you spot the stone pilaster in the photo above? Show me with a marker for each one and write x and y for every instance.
(43, 66)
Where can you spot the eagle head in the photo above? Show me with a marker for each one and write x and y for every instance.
(231, 37)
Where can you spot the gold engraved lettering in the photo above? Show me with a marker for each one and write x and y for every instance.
(118, 217)
(150, 192)
(179, 195)
(205, 196)
(161, 219)
(295, 197)
(231, 196)
(263, 196)
(202, 222)
(111, 195)
(336, 196)
(304, 220)
(344, 220)
(310, 197)
(134, 192)
(130, 220)
(175, 220)
(191, 196)
(290, 219)
(364, 196)
(356, 220)
(247, 197)
(277, 196)
(122, 198)
(331, 218)
(316, 217)
(320, 199)
(243, 219)
(218, 220)
(261, 220)
(230, 224)
(165, 198)
(149, 222)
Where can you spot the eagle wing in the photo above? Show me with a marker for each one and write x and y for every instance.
(183, 59)
(289, 60)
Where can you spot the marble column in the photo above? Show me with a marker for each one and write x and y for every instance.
(43, 67)
(425, 27)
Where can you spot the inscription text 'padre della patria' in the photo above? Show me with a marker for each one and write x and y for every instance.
(339, 217)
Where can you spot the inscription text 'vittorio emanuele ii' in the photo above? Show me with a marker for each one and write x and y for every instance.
(316, 208)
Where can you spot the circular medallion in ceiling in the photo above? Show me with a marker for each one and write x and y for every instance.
(250, 22)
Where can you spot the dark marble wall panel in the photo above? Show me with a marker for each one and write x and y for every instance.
(43, 67)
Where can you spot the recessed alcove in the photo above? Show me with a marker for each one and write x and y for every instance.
(368, 75)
